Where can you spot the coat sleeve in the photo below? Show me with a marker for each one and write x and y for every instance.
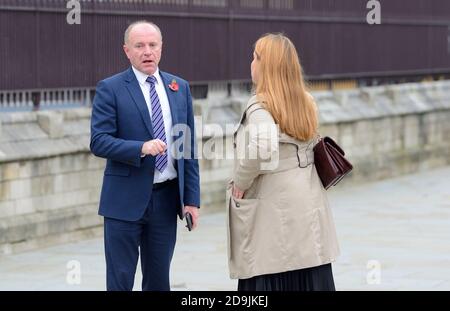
(261, 148)
(104, 140)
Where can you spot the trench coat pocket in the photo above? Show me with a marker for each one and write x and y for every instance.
(241, 217)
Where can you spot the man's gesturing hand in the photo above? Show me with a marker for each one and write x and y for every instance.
(154, 147)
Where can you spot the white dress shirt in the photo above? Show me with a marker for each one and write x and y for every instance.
(169, 172)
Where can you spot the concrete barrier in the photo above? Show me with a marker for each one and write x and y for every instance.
(50, 183)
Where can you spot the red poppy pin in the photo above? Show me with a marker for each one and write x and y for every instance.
(174, 85)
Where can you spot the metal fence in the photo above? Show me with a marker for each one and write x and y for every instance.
(28, 100)
(209, 41)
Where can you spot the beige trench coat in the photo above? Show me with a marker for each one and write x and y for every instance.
(283, 223)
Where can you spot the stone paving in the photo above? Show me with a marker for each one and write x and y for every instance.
(394, 235)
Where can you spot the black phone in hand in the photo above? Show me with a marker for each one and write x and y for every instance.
(188, 221)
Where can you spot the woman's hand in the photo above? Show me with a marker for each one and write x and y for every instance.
(237, 193)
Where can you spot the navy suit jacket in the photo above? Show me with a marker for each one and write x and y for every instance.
(120, 125)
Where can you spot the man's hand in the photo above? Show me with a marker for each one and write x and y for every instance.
(237, 193)
(193, 210)
(154, 147)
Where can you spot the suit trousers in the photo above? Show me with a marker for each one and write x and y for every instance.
(153, 236)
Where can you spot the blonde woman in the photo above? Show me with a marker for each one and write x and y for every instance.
(280, 228)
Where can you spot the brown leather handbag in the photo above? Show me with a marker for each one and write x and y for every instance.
(330, 162)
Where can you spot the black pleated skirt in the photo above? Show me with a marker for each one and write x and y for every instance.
(318, 278)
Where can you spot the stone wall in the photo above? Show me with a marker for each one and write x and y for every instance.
(385, 131)
(50, 183)
(390, 131)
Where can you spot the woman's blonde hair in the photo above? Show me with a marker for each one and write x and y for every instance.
(282, 89)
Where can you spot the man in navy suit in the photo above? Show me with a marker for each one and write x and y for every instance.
(143, 124)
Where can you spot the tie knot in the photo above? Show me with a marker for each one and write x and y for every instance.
(151, 79)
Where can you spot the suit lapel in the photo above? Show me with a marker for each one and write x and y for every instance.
(138, 98)
(170, 96)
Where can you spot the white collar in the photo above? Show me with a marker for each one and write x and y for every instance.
(142, 77)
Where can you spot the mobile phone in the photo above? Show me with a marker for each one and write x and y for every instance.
(188, 221)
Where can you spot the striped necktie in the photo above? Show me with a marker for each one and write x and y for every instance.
(158, 124)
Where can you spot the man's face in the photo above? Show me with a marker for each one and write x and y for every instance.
(144, 48)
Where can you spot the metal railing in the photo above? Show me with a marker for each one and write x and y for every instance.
(255, 4)
(216, 6)
(27, 100)
(32, 100)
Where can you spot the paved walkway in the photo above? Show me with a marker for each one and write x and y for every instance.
(394, 235)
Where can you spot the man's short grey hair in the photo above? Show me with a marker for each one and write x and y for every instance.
(128, 30)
